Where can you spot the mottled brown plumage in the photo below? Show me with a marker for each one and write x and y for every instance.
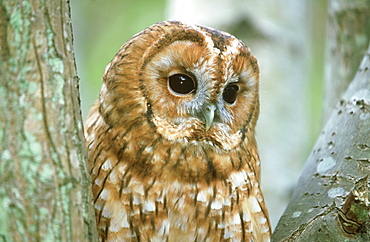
(171, 140)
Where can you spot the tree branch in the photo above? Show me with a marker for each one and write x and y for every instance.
(337, 167)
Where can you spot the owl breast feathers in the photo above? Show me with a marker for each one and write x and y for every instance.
(171, 140)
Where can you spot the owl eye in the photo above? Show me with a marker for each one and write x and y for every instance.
(181, 83)
(230, 93)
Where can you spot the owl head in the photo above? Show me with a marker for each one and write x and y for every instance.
(185, 83)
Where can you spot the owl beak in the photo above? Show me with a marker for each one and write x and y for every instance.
(207, 115)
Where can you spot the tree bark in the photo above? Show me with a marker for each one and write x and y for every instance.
(44, 182)
(331, 200)
(348, 39)
(335, 177)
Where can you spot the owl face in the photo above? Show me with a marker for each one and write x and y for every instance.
(199, 85)
(171, 141)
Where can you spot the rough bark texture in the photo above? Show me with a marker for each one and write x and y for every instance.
(331, 200)
(336, 170)
(348, 39)
(44, 183)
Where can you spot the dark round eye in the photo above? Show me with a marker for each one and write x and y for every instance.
(230, 93)
(181, 83)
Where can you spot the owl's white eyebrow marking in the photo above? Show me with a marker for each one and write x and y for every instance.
(231, 78)
(165, 63)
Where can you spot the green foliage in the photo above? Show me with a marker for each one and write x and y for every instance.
(100, 29)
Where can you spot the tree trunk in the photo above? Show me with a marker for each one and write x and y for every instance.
(331, 200)
(348, 39)
(44, 182)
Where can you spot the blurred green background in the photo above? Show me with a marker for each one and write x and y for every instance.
(286, 36)
(100, 29)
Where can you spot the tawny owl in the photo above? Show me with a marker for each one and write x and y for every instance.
(171, 139)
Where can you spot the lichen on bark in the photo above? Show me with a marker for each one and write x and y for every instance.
(45, 187)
